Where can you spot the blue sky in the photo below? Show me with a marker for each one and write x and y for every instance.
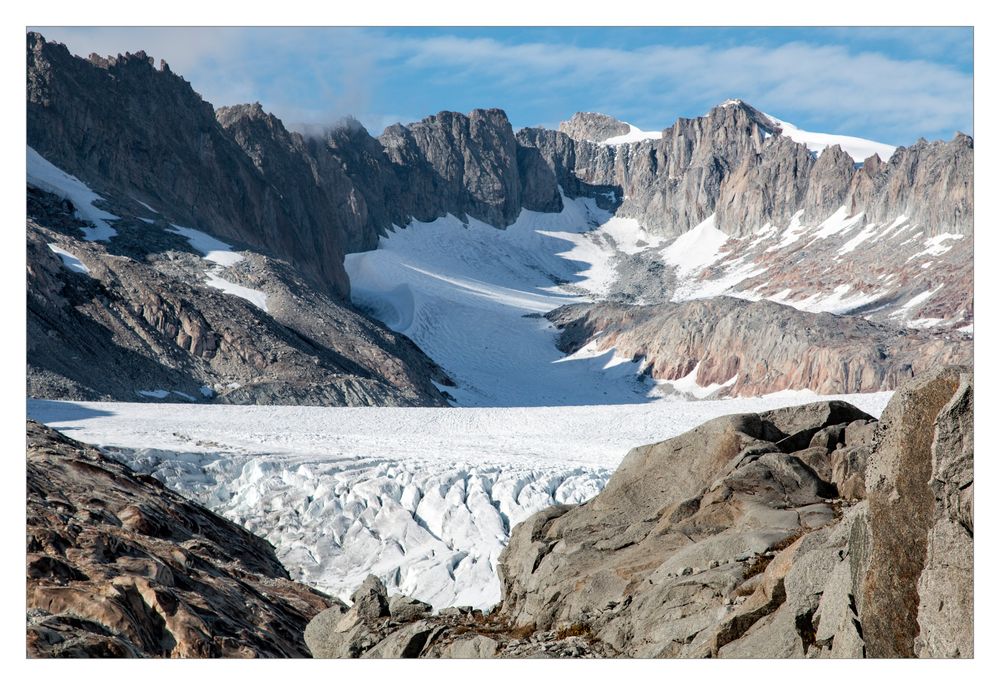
(889, 84)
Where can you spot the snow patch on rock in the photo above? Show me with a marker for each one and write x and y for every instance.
(44, 175)
(69, 260)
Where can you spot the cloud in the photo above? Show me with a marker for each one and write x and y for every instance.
(826, 81)
(316, 75)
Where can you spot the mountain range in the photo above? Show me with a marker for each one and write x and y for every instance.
(135, 182)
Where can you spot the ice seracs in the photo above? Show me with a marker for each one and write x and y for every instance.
(340, 495)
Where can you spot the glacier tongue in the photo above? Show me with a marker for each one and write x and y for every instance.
(430, 529)
(424, 498)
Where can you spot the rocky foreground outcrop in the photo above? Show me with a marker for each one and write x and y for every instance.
(812, 531)
(120, 566)
(756, 348)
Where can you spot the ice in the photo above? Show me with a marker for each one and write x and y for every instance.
(696, 249)
(156, 394)
(46, 176)
(864, 234)
(423, 497)
(935, 246)
(924, 323)
(688, 385)
(838, 222)
(629, 236)
(903, 313)
(841, 300)
(69, 260)
(791, 234)
(859, 149)
(700, 248)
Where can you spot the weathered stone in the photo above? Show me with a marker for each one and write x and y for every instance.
(405, 643)
(170, 579)
(404, 608)
(847, 471)
(945, 612)
(901, 513)
(766, 346)
(370, 600)
(472, 647)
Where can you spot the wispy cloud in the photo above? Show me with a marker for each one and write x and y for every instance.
(318, 75)
(826, 81)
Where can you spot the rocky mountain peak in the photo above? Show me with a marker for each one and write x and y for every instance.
(593, 126)
(741, 112)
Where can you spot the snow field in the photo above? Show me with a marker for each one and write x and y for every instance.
(472, 297)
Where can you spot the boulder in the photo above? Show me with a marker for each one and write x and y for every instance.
(471, 647)
(404, 609)
(370, 601)
(945, 611)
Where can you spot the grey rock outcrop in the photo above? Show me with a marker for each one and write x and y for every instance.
(735, 163)
(144, 320)
(945, 587)
(917, 568)
(717, 543)
(119, 565)
(735, 540)
(593, 127)
(765, 346)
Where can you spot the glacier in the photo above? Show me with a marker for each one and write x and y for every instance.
(424, 498)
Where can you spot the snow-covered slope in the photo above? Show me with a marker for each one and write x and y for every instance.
(46, 176)
(471, 296)
(423, 498)
(859, 149)
(634, 135)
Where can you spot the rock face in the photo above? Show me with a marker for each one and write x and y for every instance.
(755, 348)
(239, 174)
(889, 240)
(119, 565)
(917, 570)
(945, 589)
(735, 540)
(734, 163)
(131, 130)
(593, 126)
(145, 319)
